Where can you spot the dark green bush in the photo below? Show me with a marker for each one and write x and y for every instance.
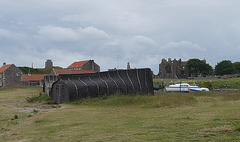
(42, 97)
(208, 85)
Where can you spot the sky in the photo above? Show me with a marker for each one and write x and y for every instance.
(114, 32)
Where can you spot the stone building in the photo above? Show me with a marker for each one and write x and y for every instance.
(10, 75)
(33, 79)
(85, 65)
(173, 69)
(48, 64)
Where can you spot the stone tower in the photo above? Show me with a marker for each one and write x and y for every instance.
(48, 64)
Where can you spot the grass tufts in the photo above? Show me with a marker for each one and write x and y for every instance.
(161, 117)
(237, 128)
(231, 97)
(146, 101)
(15, 116)
(225, 128)
(216, 119)
(115, 100)
(40, 98)
(173, 100)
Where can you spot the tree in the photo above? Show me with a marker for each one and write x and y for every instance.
(206, 69)
(236, 67)
(198, 67)
(224, 67)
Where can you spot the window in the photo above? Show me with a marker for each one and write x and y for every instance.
(168, 68)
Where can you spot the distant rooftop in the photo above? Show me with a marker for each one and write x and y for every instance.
(67, 71)
(4, 67)
(77, 64)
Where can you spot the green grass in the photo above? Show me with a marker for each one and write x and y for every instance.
(146, 101)
(26, 70)
(162, 117)
(232, 83)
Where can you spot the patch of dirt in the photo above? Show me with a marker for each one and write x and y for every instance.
(225, 128)
(40, 108)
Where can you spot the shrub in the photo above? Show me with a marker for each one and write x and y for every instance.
(208, 85)
(42, 97)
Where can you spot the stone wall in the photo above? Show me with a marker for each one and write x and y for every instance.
(48, 82)
(91, 65)
(173, 69)
(1, 79)
(12, 76)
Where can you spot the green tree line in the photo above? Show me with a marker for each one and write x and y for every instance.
(198, 67)
(27, 70)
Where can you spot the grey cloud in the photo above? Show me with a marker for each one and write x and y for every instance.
(141, 32)
(67, 34)
(11, 35)
(57, 33)
(92, 32)
(143, 40)
(183, 45)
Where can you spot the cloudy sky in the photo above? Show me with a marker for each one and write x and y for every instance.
(114, 32)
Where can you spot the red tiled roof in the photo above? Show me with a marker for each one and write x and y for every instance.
(68, 71)
(4, 67)
(77, 64)
(33, 77)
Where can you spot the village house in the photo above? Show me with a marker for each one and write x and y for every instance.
(84, 65)
(56, 71)
(80, 67)
(10, 75)
(33, 79)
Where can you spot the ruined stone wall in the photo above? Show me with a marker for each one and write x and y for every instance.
(172, 69)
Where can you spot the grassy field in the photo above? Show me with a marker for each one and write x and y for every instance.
(233, 83)
(162, 117)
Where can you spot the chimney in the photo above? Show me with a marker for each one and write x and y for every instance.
(92, 63)
(128, 66)
(4, 63)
